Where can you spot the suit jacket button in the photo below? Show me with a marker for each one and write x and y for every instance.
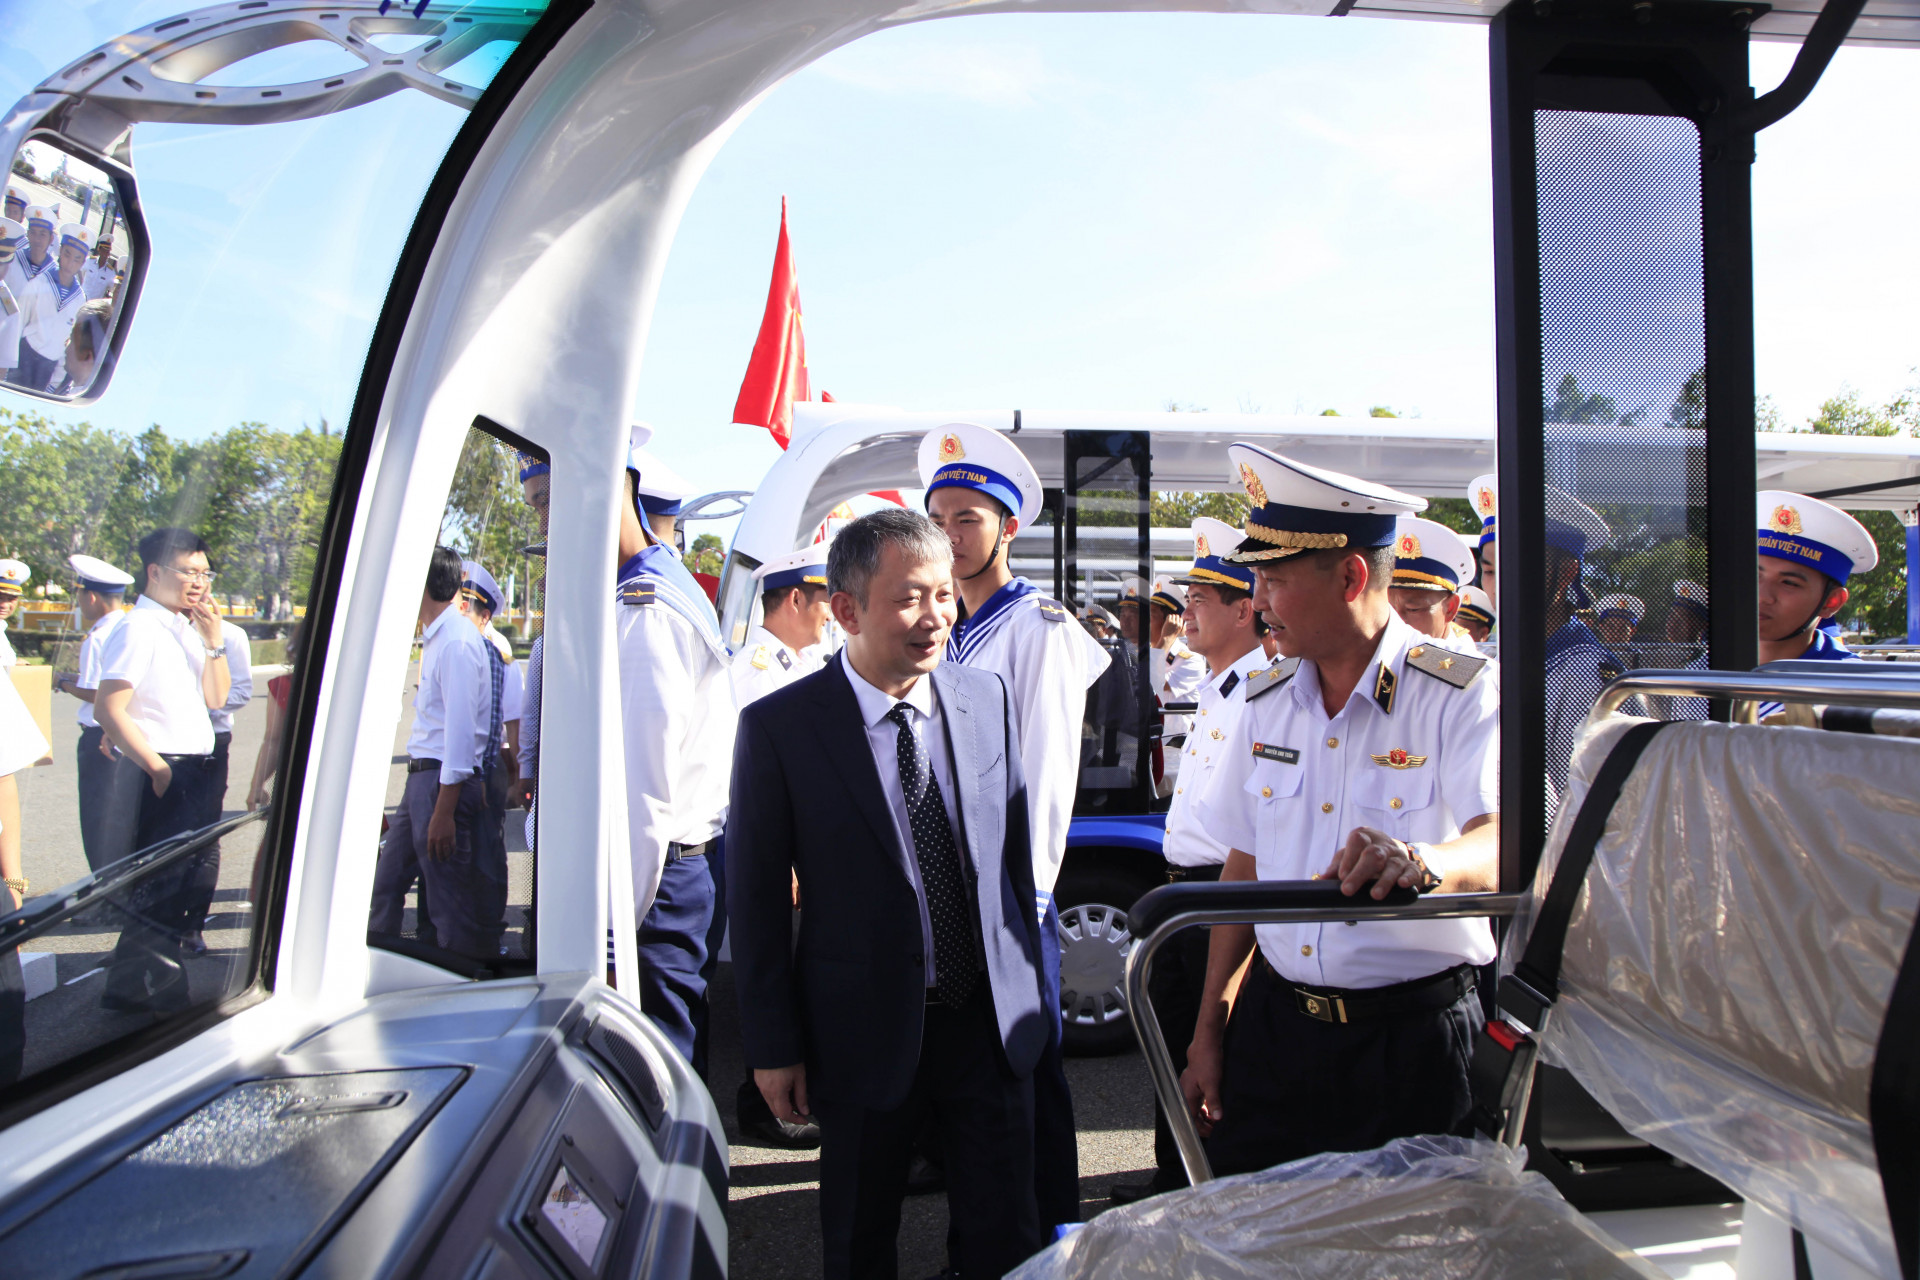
(919, 959)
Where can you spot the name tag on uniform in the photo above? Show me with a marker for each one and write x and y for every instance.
(1284, 755)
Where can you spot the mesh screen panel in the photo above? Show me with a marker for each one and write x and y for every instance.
(1623, 344)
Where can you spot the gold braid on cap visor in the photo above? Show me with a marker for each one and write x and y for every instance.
(1285, 543)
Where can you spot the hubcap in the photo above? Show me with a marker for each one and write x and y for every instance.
(1094, 942)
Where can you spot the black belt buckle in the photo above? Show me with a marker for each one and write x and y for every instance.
(1315, 1005)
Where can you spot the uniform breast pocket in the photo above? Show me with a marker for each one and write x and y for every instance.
(1394, 801)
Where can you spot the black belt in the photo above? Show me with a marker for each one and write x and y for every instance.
(677, 851)
(1336, 1004)
(1177, 874)
(172, 758)
(421, 766)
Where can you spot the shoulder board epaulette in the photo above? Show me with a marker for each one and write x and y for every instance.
(7, 303)
(636, 592)
(1610, 666)
(1272, 678)
(1456, 668)
(1052, 610)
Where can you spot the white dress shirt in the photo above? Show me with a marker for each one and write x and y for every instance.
(240, 671)
(530, 711)
(451, 708)
(7, 656)
(1187, 843)
(883, 739)
(47, 316)
(10, 323)
(765, 663)
(159, 653)
(91, 650)
(1409, 754)
(21, 742)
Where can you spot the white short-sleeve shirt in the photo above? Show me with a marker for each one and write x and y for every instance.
(1411, 754)
(1187, 843)
(239, 674)
(92, 649)
(158, 652)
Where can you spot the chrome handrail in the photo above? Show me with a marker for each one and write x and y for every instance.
(1445, 906)
(1841, 690)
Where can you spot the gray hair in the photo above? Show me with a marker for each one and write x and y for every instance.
(855, 555)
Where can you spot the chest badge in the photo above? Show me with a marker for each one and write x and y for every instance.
(1284, 755)
(1400, 759)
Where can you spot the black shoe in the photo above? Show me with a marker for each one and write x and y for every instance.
(925, 1178)
(770, 1131)
(193, 944)
(1129, 1192)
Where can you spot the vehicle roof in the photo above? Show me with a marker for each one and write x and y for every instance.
(1883, 23)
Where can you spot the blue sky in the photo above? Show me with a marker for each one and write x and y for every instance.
(1019, 211)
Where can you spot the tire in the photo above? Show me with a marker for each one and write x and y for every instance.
(1094, 944)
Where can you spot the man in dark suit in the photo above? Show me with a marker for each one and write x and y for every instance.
(891, 785)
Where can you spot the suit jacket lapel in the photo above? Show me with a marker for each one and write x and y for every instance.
(843, 741)
(962, 738)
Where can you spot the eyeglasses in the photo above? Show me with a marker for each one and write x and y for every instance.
(191, 575)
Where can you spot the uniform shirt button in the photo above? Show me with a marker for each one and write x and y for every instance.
(1326, 807)
(1307, 950)
(1333, 742)
(1267, 792)
(1394, 803)
(1179, 791)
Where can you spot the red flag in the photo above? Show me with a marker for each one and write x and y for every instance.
(777, 373)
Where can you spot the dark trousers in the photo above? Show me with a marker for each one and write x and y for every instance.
(1293, 1086)
(32, 370)
(1178, 981)
(13, 1016)
(204, 877)
(145, 965)
(673, 955)
(109, 800)
(456, 889)
(1056, 1147)
(983, 1117)
(716, 935)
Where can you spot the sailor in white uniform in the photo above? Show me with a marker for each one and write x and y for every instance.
(676, 702)
(16, 204)
(1477, 615)
(1224, 629)
(1431, 563)
(1578, 665)
(101, 272)
(794, 615)
(13, 581)
(38, 256)
(663, 491)
(13, 242)
(48, 310)
(1808, 549)
(106, 816)
(1484, 493)
(1369, 756)
(980, 491)
(1616, 617)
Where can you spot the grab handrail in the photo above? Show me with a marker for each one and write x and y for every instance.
(1849, 688)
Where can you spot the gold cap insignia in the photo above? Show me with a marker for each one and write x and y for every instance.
(1399, 759)
(1484, 500)
(1786, 519)
(1409, 548)
(950, 450)
(1255, 490)
(1200, 546)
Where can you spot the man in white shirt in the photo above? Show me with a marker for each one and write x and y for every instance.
(106, 809)
(1370, 757)
(239, 648)
(48, 310)
(21, 744)
(1431, 563)
(38, 257)
(13, 583)
(793, 619)
(102, 272)
(434, 834)
(162, 669)
(1224, 629)
(13, 242)
(480, 599)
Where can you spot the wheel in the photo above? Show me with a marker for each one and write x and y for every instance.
(1094, 943)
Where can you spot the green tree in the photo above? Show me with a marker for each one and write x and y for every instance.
(1690, 406)
(487, 518)
(707, 555)
(1571, 405)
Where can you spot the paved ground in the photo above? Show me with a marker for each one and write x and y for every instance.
(773, 1214)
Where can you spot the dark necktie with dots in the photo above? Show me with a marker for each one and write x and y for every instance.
(949, 907)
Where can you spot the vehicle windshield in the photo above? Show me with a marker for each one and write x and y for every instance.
(158, 546)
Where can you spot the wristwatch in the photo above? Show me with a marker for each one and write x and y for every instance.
(1428, 880)
(212, 652)
(17, 884)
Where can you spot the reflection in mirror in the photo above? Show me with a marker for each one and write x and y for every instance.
(67, 256)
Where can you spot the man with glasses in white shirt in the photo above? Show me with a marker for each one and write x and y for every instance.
(163, 669)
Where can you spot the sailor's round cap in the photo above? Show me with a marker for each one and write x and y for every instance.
(662, 490)
(1621, 605)
(1298, 508)
(1428, 556)
(13, 238)
(806, 567)
(16, 198)
(1691, 596)
(41, 214)
(964, 455)
(1816, 534)
(1212, 539)
(97, 575)
(13, 577)
(530, 466)
(480, 586)
(1572, 525)
(1484, 494)
(1475, 606)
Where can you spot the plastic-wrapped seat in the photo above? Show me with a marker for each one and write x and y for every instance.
(1729, 958)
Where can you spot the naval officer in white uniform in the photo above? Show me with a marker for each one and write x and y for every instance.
(1370, 756)
(794, 616)
(13, 582)
(1431, 564)
(13, 243)
(106, 815)
(981, 490)
(1224, 629)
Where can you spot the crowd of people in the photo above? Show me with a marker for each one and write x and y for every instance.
(58, 285)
